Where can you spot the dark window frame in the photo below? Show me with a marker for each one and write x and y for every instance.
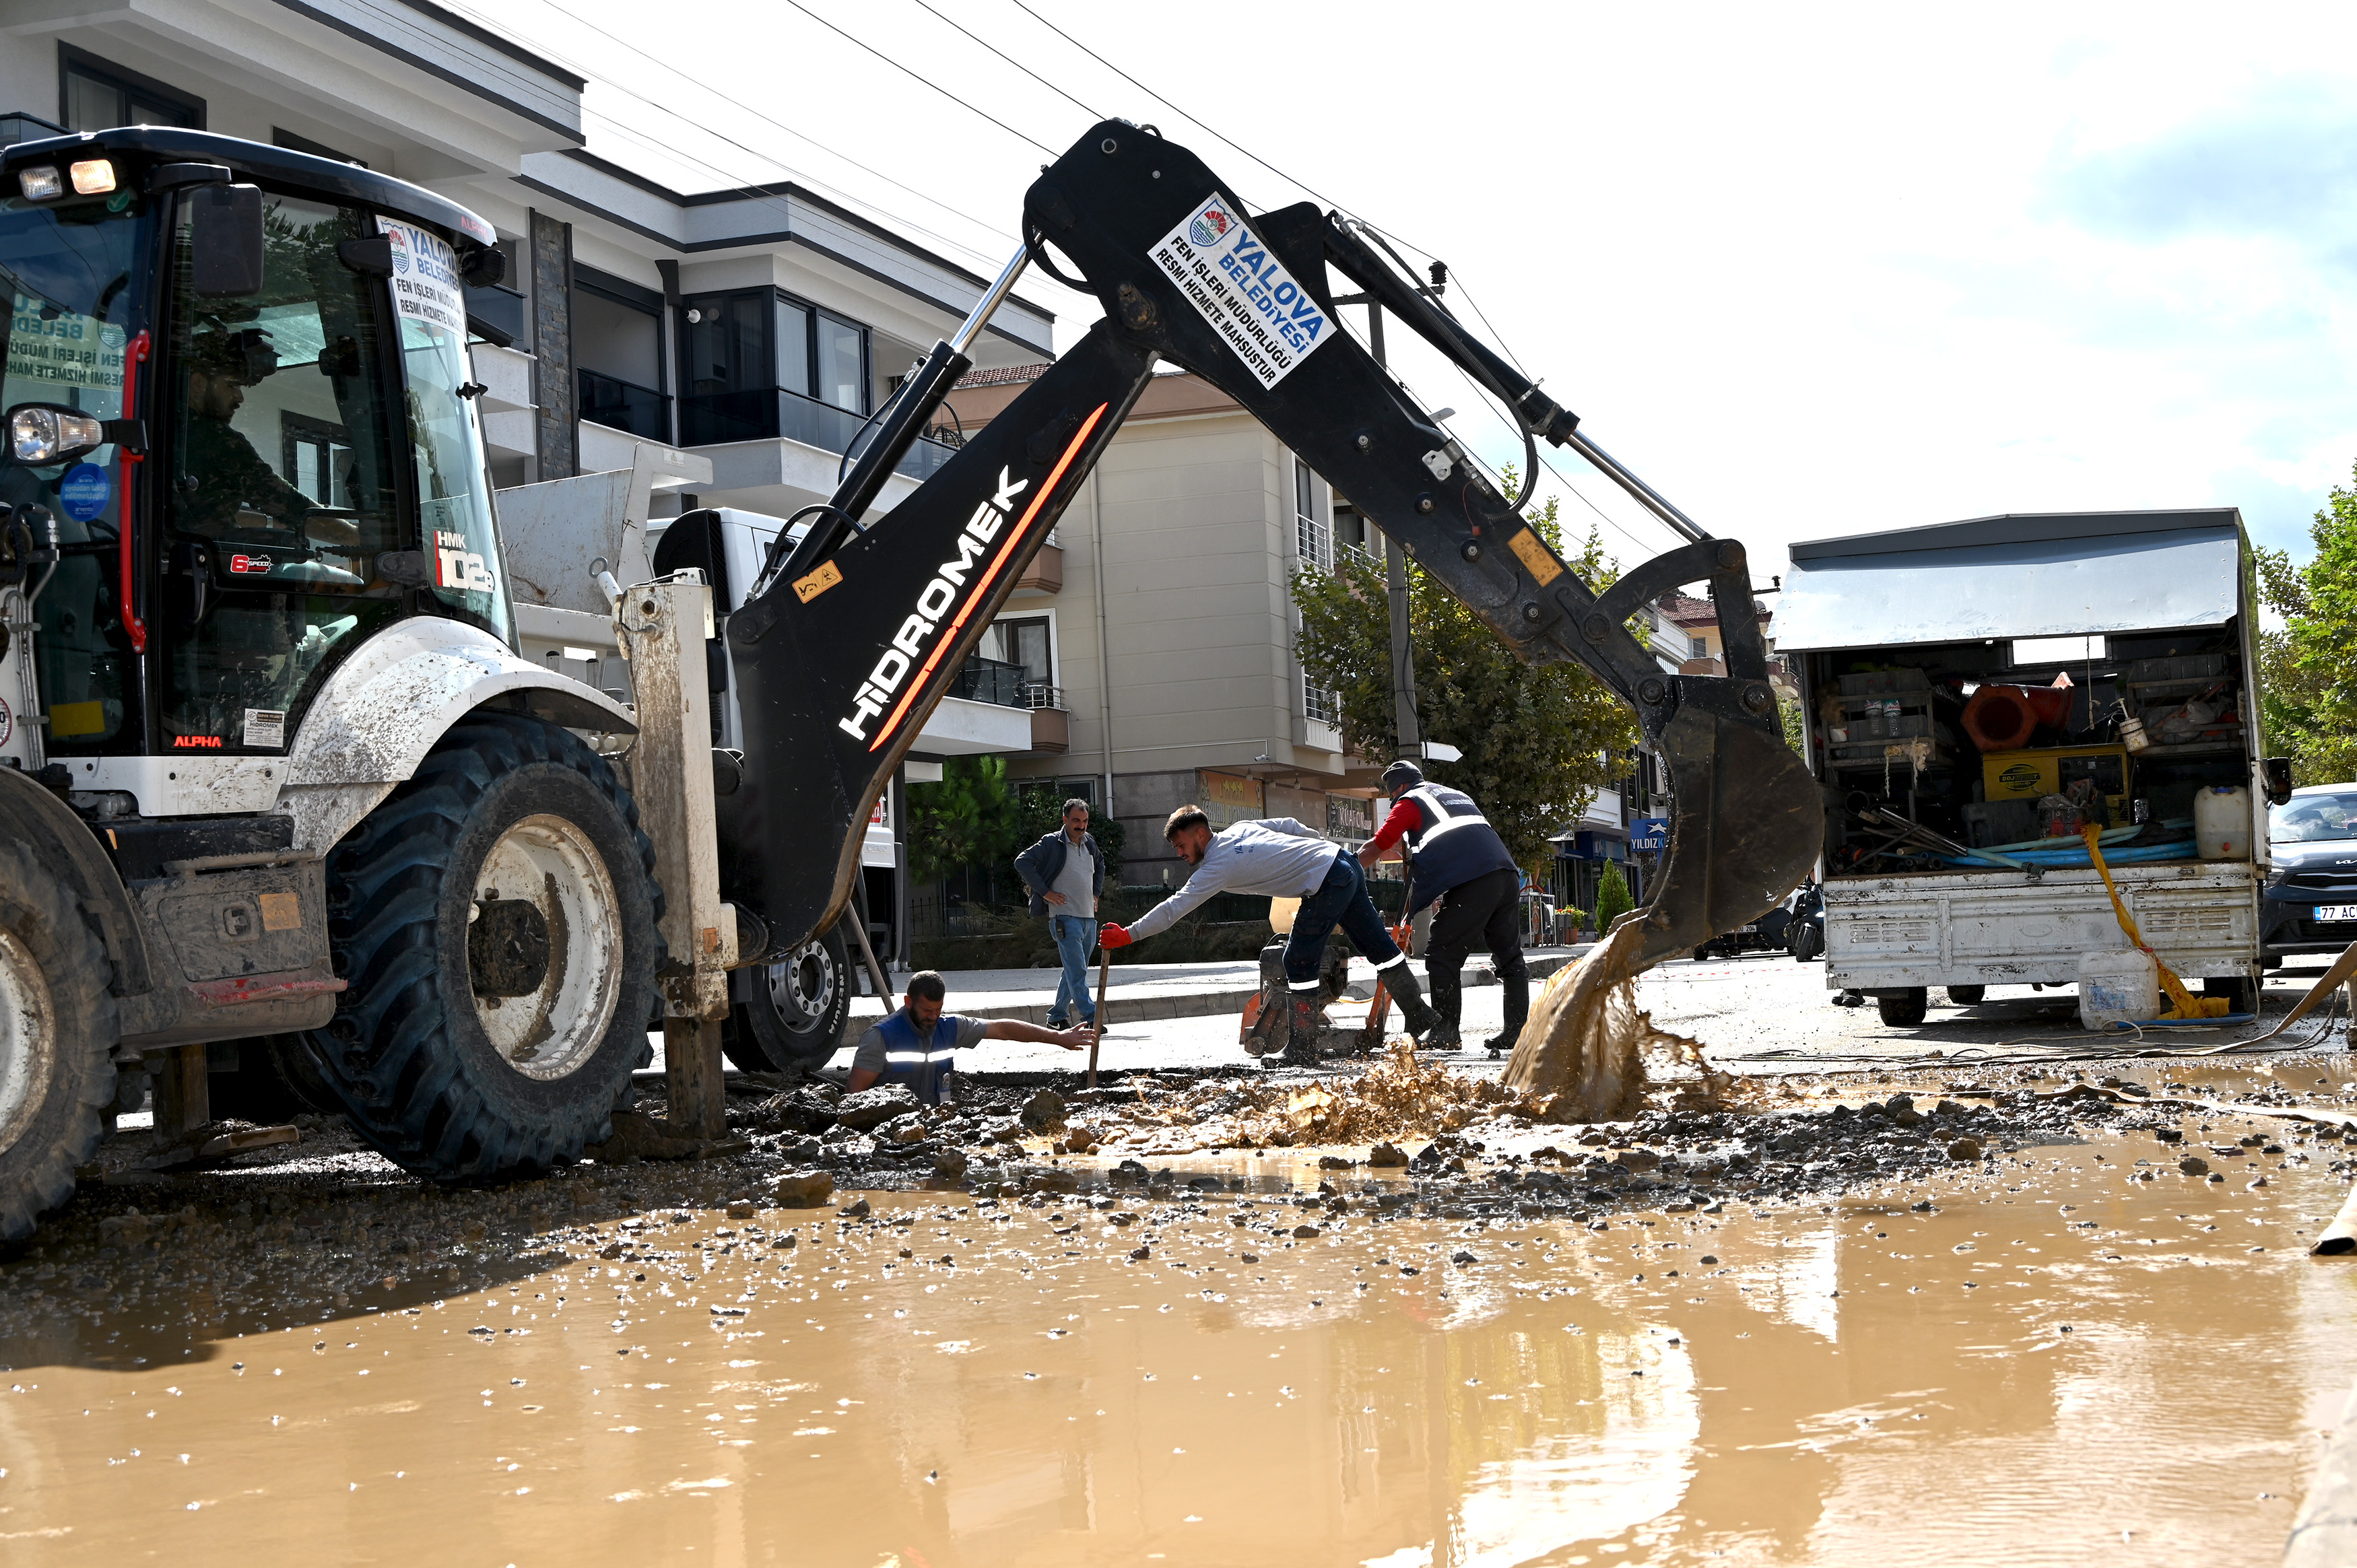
(813, 311)
(295, 142)
(71, 59)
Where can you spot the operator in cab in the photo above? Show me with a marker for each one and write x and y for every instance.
(1285, 859)
(1456, 858)
(918, 1045)
(224, 476)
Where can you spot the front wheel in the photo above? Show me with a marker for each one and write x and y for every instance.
(1807, 943)
(1904, 1011)
(57, 1031)
(496, 919)
(789, 1016)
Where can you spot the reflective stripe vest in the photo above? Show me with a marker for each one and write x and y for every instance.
(1452, 842)
(924, 1068)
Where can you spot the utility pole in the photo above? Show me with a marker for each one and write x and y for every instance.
(1403, 720)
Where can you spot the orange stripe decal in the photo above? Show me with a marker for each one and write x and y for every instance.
(981, 585)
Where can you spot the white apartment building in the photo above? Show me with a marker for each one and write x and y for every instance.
(1161, 630)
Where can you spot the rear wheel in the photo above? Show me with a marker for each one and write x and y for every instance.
(1966, 995)
(496, 918)
(791, 1015)
(1906, 1011)
(57, 1031)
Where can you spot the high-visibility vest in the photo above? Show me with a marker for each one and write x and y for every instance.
(925, 1066)
(1452, 842)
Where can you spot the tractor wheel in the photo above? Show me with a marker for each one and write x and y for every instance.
(496, 918)
(57, 1031)
(1906, 1011)
(276, 1080)
(788, 1016)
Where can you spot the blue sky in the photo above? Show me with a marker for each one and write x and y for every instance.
(1810, 271)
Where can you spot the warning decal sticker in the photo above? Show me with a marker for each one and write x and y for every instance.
(1263, 314)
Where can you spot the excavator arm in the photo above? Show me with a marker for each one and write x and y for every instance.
(853, 639)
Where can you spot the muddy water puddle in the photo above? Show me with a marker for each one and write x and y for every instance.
(2058, 1363)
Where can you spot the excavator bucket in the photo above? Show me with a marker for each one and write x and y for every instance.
(1745, 827)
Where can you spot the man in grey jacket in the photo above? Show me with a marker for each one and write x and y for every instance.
(1068, 881)
(1285, 859)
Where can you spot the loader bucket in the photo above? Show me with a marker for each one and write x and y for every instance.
(1748, 825)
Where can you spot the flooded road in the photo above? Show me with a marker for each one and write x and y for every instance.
(2059, 1362)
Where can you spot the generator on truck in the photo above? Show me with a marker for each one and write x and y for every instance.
(1979, 694)
(277, 766)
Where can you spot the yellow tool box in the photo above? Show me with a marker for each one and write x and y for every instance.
(2051, 770)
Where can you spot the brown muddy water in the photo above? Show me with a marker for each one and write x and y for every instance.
(2061, 1363)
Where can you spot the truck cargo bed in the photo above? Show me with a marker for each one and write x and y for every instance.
(1996, 928)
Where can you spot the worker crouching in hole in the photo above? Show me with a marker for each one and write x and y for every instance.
(918, 1045)
(1456, 858)
(1285, 859)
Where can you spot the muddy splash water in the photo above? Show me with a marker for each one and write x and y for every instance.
(2058, 1363)
(1582, 1051)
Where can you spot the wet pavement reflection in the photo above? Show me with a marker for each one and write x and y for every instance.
(2059, 1362)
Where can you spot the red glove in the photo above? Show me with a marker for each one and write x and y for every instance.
(1113, 936)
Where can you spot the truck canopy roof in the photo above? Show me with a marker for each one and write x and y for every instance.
(2022, 575)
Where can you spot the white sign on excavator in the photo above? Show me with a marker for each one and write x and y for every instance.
(1266, 317)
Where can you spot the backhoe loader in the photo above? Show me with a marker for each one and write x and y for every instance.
(271, 764)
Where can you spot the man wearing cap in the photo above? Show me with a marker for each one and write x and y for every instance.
(1285, 859)
(917, 1046)
(1456, 858)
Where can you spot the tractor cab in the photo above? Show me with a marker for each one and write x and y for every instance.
(237, 403)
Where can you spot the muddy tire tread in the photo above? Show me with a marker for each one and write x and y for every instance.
(36, 906)
(389, 1054)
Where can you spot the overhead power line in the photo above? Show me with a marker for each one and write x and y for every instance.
(919, 77)
(1018, 64)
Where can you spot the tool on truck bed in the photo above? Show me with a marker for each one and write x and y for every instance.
(280, 768)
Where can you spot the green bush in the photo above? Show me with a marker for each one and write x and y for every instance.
(1612, 900)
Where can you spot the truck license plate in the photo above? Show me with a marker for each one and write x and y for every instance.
(2330, 913)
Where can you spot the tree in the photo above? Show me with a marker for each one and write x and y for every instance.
(1537, 739)
(967, 817)
(2307, 671)
(1612, 900)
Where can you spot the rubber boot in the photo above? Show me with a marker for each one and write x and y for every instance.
(1420, 1021)
(1448, 1006)
(1301, 1049)
(1516, 978)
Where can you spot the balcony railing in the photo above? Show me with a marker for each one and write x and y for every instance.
(991, 680)
(1041, 694)
(771, 414)
(625, 405)
(1316, 543)
(1323, 707)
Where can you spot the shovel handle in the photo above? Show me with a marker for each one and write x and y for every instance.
(1104, 973)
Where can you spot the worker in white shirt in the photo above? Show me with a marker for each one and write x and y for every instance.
(1285, 859)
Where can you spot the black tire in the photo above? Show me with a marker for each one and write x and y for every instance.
(1808, 942)
(411, 1052)
(276, 1080)
(788, 1016)
(1967, 996)
(2241, 991)
(1701, 953)
(1904, 1012)
(58, 1030)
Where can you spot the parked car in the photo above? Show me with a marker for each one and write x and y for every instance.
(1765, 934)
(2309, 905)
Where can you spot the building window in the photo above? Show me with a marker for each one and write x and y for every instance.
(1698, 647)
(1351, 531)
(96, 96)
(742, 350)
(501, 306)
(1310, 534)
(1029, 645)
(295, 143)
(617, 353)
(1323, 707)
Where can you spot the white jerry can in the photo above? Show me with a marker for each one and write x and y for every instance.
(2118, 987)
(2222, 822)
